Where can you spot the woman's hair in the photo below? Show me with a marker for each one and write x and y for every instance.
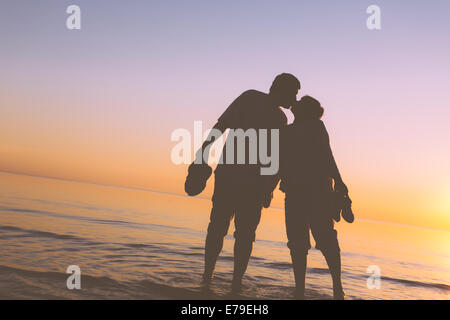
(307, 108)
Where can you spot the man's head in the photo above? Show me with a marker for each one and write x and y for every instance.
(307, 108)
(284, 90)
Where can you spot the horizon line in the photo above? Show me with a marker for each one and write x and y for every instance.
(197, 197)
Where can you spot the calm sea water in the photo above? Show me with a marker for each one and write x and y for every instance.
(149, 245)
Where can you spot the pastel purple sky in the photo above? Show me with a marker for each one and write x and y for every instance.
(99, 104)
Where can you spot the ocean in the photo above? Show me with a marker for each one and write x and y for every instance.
(142, 244)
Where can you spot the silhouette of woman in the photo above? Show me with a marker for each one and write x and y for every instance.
(307, 172)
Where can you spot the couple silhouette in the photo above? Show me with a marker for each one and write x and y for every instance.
(315, 194)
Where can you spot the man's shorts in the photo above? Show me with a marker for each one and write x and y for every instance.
(238, 199)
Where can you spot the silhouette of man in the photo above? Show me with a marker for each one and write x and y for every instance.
(307, 168)
(238, 187)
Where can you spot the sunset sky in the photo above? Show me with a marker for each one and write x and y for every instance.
(99, 104)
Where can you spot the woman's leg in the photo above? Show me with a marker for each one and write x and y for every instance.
(326, 241)
(333, 258)
(299, 266)
(297, 230)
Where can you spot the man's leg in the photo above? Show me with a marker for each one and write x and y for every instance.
(217, 230)
(246, 221)
(221, 215)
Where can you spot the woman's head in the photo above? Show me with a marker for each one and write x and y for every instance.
(307, 108)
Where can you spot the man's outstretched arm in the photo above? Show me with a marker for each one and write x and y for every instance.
(202, 155)
(227, 120)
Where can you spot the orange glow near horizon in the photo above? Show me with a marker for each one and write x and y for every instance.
(395, 193)
(99, 105)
